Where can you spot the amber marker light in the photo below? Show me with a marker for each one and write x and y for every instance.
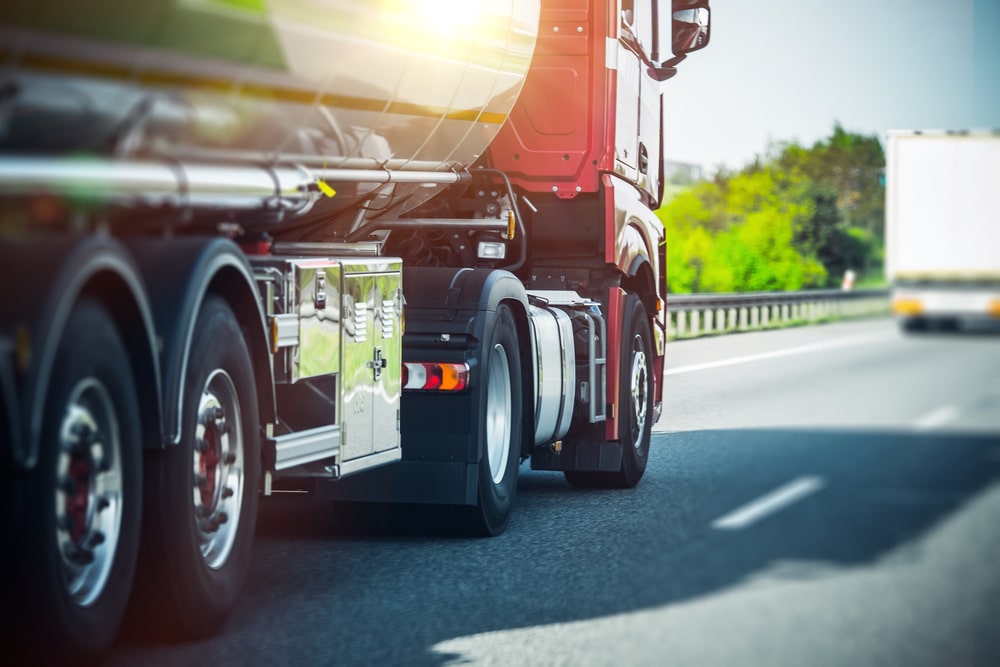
(907, 306)
(454, 377)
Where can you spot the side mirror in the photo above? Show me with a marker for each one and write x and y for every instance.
(691, 26)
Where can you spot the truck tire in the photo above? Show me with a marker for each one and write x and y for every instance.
(76, 535)
(635, 400)
(914, 324)
(500, 428)
(202, 493)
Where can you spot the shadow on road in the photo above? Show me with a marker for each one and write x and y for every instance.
(378, 587)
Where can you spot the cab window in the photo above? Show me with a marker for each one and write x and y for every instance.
(637, 26)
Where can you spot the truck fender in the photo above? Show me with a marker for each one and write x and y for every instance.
(462, 288)
(179, 273)
(633, 250)
(51, 276)
(462, 303)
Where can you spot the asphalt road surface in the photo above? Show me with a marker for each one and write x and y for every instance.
(818, 496)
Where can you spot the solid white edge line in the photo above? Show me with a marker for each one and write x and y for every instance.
(843, 342)
(942, 415)
(769, 504)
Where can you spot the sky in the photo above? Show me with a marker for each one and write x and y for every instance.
(788, 70)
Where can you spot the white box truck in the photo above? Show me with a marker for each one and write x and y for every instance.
(943, 227)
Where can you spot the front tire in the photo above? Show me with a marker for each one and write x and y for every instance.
(501, 411)
(76, 529)
(635, 401)
(202, 494)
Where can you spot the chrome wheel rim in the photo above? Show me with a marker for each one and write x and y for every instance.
(88, 491)
(218, 467)
(639, 390)
(498, 406)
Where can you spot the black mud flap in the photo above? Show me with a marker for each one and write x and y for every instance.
(579, 454)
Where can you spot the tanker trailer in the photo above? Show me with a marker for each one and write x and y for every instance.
(213, 217)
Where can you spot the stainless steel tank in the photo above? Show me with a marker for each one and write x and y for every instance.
(326, 85)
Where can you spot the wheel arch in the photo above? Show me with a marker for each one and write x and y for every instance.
(640, 280)
(181, 272)
(520, 313)
(54, 275)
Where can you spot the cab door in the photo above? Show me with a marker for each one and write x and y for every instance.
(638, 115)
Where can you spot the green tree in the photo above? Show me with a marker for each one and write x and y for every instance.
(799, 217)
(736, 233)
(851, 167)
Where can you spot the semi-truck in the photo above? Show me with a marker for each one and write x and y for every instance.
(942, 227)
(384, 251)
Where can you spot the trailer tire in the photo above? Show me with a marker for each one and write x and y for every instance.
(76, 514)
(202, 493)
(500, 428)
(635, 400)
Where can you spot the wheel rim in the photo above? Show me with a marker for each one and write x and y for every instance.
(498, 406)
(88, 491)
(218, 468)
(640, 391)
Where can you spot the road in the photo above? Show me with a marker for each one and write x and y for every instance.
(816, 496)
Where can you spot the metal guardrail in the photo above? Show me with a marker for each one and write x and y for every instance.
(690, 315)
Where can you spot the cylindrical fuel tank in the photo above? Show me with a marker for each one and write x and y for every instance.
(387, 84)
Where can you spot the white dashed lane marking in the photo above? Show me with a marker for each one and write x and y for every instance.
(768, 504)
(937, 418)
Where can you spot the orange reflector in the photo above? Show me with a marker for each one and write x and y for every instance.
(511, 227)
(993, 308)
(907, 307)
(451, 377)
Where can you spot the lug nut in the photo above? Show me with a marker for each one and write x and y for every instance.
(78, 556)
(94, 539)
(83, 432)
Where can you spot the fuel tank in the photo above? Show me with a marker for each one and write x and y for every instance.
(328, 84)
